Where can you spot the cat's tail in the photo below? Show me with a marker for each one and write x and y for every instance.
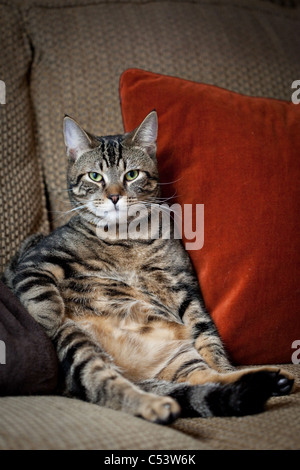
(246, 396)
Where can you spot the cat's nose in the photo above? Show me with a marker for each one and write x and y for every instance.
(114, 198)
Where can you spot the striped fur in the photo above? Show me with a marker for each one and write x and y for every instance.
(126, 316)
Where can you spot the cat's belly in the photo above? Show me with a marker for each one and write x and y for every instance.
(139, 348)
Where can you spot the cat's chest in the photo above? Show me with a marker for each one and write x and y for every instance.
(119, 291)
(133, 281)
(135, 268)
(112, 280)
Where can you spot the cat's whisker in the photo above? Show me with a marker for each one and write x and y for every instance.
(58, 212)
(63, 200)
(65, 213)
(163, 199)
(160, 208)
(170, 182)
(78, 208)
(157, 205)
(59, 190)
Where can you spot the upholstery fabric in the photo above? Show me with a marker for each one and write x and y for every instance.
(76, 69)
(64, 423)
(31, 365)
(239, 156)
(22, 202)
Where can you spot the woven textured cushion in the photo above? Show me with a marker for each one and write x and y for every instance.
(23, 208)
(239, 156)
(251, 48)
(64, 423)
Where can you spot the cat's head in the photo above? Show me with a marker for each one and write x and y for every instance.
(108, 174)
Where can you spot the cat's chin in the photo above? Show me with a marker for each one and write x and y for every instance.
(112, 216)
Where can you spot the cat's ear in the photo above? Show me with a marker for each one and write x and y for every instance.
(76, 139)
(145, 135)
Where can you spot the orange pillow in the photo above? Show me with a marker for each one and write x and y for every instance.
(240, 157)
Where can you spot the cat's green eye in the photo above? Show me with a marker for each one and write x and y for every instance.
(95, 176)
(132, 175)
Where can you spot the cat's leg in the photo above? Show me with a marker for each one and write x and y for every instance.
(185, 364)
(247, 395)
(208, 344)
(90, 374)
(192, 399)
(282, 380)
(37, 289)
(205, 337)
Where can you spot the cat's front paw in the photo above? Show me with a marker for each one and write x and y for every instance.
(160, 410)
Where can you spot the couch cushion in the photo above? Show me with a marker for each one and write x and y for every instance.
(58, 423)
(28, 361)
(82, 47)
(239, 156)
(64, 423)
(22, 202)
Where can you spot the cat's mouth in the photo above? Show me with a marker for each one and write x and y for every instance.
(108, 210)
(119, 213)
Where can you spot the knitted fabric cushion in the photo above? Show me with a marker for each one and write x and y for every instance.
(64, 423)
(23, 208)
(239, 156)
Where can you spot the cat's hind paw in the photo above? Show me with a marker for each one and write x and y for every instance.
(283, 384)
(249, 394)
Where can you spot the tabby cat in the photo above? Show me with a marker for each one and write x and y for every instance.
(126, 315)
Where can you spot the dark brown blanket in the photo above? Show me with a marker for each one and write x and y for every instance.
(28, 361)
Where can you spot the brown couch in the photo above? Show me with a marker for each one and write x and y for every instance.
(66, 57)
